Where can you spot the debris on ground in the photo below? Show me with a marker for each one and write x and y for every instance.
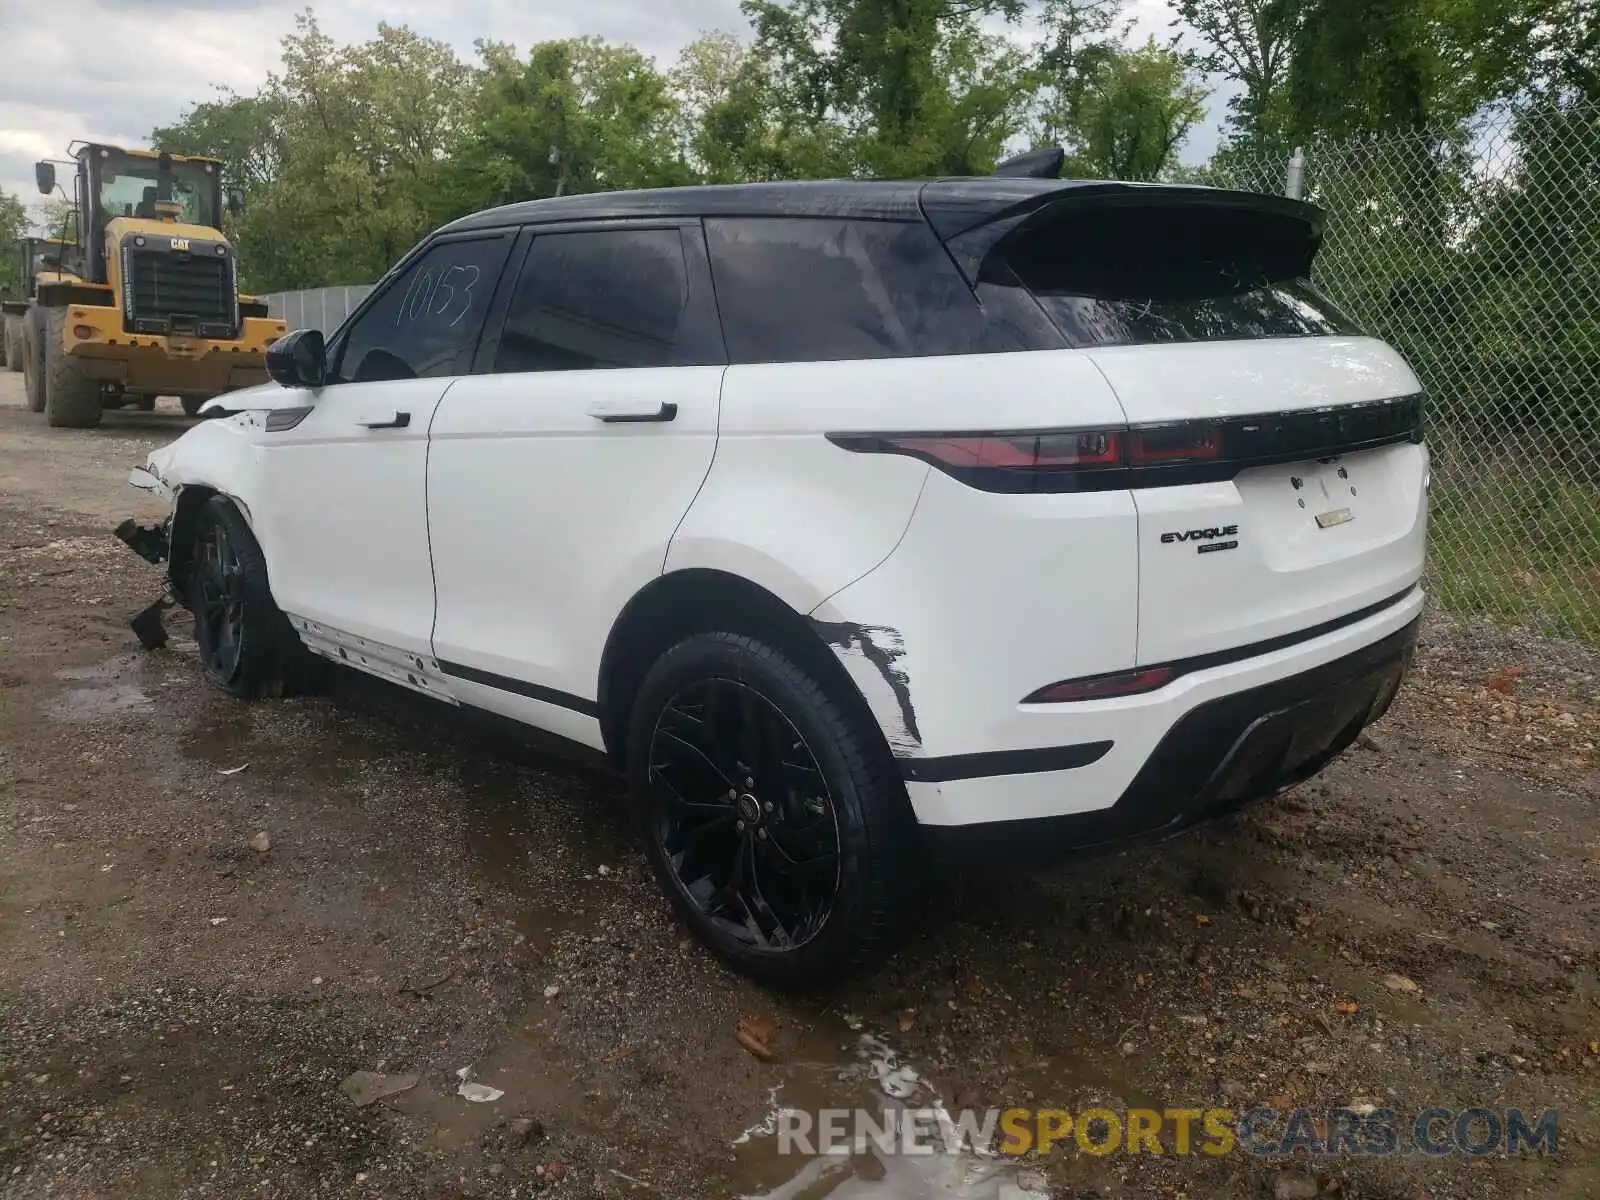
(1295, 1185)
(368, 1087)
(755, 1035)
(261, 842)
(479, 1093)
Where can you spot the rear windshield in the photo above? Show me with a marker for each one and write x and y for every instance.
(1143, 275)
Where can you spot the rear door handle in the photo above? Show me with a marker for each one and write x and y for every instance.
(619, 412)
(392, 420)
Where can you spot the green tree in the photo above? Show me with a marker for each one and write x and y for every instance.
(245, 132)
(890, 87)
(575, 116)
(1135, 110)
(14, 224)
(1250, 42)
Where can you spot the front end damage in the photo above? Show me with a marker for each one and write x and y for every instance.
(153, 543)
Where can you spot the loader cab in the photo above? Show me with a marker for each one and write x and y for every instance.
(143, 185)
(47, 256)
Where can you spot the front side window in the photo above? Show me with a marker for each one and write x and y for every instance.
(601, 299)
(426, 321)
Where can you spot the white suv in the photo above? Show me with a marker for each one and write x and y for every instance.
(858, 522)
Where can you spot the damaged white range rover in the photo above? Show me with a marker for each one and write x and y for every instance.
(859, 523)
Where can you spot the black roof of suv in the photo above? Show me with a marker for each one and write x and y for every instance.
(950, 205)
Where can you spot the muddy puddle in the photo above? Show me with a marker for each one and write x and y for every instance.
(894, 1136)
(106, 690)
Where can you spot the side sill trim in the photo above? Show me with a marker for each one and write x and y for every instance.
(1002, 762)
(534, 691)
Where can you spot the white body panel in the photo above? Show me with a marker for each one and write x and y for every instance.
(546, 520)
(787, 509)
(1287, 572)
(344, 518)
(1134, 725)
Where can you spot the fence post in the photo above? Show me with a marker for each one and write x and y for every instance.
(1294, 185)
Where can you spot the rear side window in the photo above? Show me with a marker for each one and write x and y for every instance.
(1150, 274)
(603, 299)
(426, 321)
(820, 289)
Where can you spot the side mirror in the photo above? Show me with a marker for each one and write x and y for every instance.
(298, 359)
(44, 174)
(235, 202)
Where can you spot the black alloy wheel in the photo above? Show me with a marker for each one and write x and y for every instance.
(247, 647)
(219, 604)
(747, 822)
(772, 813)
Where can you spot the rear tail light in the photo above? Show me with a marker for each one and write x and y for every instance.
(1103, 687)
(1199, 451)
(1016, 452)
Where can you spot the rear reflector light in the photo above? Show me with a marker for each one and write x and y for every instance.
(1103, 687)
(1199, 451)
(1194, 441)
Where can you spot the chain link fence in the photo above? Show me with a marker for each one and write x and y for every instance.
(1478, 255)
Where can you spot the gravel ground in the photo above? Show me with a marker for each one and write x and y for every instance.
(212, 914)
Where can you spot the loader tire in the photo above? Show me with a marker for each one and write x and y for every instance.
(8, 355)
(71, 398)
(33, 358)
(16, 343)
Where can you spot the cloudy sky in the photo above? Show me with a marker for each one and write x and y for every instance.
(169, 53)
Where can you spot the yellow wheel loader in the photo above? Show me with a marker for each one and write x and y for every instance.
(42, 259)
(153, 307)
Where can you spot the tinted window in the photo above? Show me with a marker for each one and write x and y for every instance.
(427, 319)
(1151, 274)
(821, 289)
(1292, 308)
(611, 298)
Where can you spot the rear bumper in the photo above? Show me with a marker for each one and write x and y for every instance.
(1219, 757)
(1085, 759)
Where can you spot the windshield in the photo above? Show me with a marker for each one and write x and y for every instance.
(128, 189)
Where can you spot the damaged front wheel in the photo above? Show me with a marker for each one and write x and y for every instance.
(246, 645)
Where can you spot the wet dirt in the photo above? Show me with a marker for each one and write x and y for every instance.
(178, 1008)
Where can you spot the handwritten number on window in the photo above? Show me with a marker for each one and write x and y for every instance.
(466, 303)
(431, 295)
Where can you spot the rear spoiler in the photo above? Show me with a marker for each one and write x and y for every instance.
(1035, 164)
(975, 239)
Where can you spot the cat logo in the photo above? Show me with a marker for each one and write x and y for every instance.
(180, 243)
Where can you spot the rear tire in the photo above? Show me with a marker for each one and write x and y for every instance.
(775, 825)
(71, 398)
(33, 358)
(247, 647)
